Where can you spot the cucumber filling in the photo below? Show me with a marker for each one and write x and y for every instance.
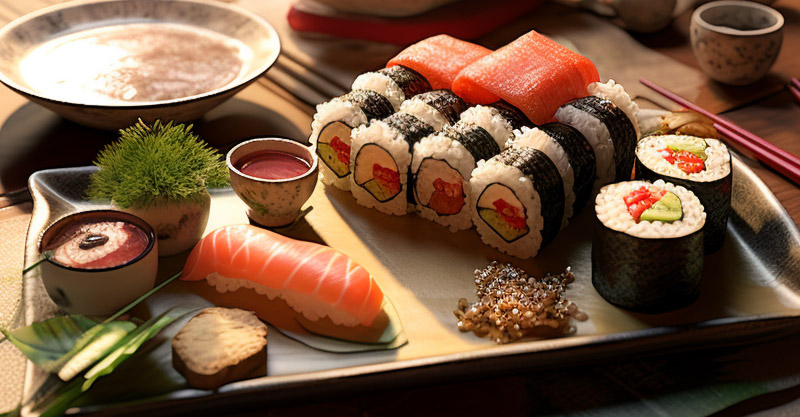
(502, 211)
(333, 147)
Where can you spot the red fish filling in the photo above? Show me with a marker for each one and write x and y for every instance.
(642, 199)
(342, 150)
(684, 160)
(447, 198)
(387, 178)
(512, 215)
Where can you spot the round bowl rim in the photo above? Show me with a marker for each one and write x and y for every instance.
(134, 105)
(696, 18)
(313, 168)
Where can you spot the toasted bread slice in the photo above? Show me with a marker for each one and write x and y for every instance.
(220, 345)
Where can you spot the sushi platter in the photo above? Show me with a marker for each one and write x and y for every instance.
(749, 291)
(459, 212)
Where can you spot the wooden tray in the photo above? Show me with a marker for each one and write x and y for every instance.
(750, 291)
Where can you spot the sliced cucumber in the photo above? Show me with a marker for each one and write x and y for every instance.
(694, 145)
(379, 192)
(329, 157)
(499, 225)
(666, 210)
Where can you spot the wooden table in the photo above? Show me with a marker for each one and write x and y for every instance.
(32, 138)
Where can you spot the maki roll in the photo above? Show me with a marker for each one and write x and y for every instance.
(397, 84)
(443, 162)
(702, 166)
(581, 159)
(647, 246)
(616, 94)
(381, 157)
(513, 115)
(609, 130)
(332, 127)
(517, 201)
(436, 108)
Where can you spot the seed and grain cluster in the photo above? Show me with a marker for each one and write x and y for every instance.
(513, 305)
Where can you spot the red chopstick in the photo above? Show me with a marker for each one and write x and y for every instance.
(744, 135)
(795, 90)
(796, 83)
(792, 172)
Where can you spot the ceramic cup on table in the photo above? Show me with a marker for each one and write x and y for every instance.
(736, 42)
(72, 276)
(272, 202)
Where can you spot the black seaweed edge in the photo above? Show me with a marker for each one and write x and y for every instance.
(446, 102)
(419, 129)
(524, 210)
(372, 104)
(482, 147)
(512, 114)
(581, 158)
(316, 150)
(409, 80)
(362, 185)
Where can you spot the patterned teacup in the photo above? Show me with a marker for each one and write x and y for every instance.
(274, 177)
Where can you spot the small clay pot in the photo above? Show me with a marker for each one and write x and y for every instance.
(736, 42)
(179, 225)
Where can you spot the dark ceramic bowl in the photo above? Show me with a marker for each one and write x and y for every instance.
(104, 64)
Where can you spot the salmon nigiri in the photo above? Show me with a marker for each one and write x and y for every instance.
(314, 280)
(532, 73)
(439, 58)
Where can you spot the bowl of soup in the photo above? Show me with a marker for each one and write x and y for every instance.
(274, 177)
(98, 261)
(105, 64)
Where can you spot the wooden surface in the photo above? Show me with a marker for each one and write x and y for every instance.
(32, 138)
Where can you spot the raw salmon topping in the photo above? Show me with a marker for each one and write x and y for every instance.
(640, 200)
(447, 198)
(342, 150)
(512, 215)
(387, 178)
(439, 58)
(684, 160)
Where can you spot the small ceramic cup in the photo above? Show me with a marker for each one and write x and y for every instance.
(272, 202)
(98, 291)
(736, 42)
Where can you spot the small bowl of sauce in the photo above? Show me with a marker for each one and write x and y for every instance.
(274, 177)
(98, 261)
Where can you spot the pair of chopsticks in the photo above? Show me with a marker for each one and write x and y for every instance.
(776, 158)
(794, 88)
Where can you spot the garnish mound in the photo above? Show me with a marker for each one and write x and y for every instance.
(162, 162)
(513, 305)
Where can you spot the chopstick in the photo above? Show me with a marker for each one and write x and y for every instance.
(792, 172)
(794, 88)
(742, 136)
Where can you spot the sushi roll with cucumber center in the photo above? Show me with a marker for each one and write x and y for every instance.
(397, 84)
(700, 165)
(437, 108)
(647, 251)
(332, 127)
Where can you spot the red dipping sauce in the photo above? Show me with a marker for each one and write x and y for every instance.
(98, 244)
(272, 165)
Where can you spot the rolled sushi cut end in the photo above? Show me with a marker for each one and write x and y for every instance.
(496, 123)
(381, 159)
(610, 133)
(396, 83)
(616, 94)
(653, 264)
(581, 160)
(332, 127)
(538, 139)
(701, 165)
(437, 108)
(439, 187)
(517, 201)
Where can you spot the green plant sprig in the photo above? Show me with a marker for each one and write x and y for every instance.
(162, 162)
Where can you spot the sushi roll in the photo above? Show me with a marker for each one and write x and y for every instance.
(609, 131)
(332, 126)
(581, 159)
(443, 162)
(513, 115)
(517, 201)
(539, 139)
(381, 157)
(397, 84)
(700, 165)
(647, 248)
(616, 94)
(436, 108)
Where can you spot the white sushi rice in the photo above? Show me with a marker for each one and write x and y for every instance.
(492, 121)
(599, 138)
(392, 141)
(440, 147)
(616, 94)
(381, 84)
(310, 307)
(538, 139)
(493, 171)
(335, 110)
(718, 161)
(425, 112)
(613, 213)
